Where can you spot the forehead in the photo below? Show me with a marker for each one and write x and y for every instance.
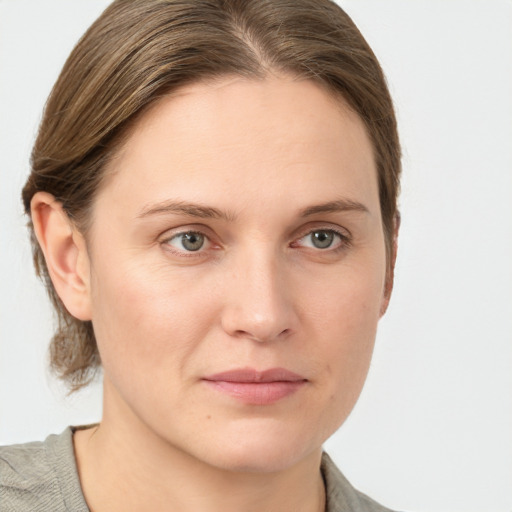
(279, 134)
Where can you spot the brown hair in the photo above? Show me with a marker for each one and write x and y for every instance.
(140, 50)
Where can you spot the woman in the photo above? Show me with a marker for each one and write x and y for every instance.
(213, 203)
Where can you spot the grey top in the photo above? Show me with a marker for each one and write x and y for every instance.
(42, 477)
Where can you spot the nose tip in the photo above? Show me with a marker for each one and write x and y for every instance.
(259, 307)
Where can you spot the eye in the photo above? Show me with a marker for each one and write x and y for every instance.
(323, 239)
(190, 241)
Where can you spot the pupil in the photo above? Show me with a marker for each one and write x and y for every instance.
(322, 239)
(193, 241)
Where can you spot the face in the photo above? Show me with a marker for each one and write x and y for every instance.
(237, 271)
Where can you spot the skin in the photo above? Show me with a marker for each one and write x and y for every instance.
(281, 161)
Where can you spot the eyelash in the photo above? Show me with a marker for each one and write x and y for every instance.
(344, 242)
(344, 239)
(184, 253)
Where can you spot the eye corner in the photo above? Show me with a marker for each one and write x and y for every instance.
(188, 242)
(327, 239)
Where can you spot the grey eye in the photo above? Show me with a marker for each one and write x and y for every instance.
(322, 239)
(190, 241)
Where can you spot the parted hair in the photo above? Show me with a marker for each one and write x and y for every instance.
(138, 51)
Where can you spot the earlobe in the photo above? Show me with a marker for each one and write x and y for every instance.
(65, 253)
(390, 273)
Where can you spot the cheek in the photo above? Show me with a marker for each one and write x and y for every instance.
(145, 319)
(351, 328)
(344, 317)
(348, 300)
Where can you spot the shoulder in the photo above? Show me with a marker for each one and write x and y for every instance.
(341, 495)
(39, 476)
(26, 479)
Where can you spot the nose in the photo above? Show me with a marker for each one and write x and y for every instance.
(258, 301)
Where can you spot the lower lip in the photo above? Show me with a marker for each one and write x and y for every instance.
(257, 393)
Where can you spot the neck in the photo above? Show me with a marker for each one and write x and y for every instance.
(124, 466)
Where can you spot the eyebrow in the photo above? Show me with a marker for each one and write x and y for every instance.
(341, 205)
(184, 208)
(209, 212)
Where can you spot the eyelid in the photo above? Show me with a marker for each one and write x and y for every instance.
(323, 226)
(178, 236)
(185, 228)
(344, 234)
(171, 234)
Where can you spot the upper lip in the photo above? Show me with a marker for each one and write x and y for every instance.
(254, 376)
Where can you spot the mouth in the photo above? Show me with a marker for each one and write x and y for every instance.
(254, 387)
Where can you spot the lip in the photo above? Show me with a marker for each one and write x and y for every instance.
(255, 387)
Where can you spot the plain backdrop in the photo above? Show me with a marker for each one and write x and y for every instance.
(433, 428)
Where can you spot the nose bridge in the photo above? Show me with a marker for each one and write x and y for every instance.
(258, 305)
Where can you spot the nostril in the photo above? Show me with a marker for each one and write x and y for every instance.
(261, 338)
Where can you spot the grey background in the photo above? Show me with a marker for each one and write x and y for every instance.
(433, 429)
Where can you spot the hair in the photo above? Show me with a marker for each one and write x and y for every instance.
(138, 51)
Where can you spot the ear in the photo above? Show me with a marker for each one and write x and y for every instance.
(390, 273)
(65, 253)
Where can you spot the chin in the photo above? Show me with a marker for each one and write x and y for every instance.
(256, 460)
(260, 450)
